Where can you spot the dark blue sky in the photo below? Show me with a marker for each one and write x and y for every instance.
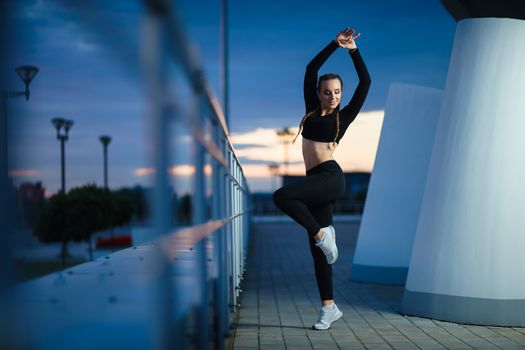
(89, 71)
(401, 41)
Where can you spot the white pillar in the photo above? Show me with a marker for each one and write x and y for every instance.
(468, 259)
(389, 221)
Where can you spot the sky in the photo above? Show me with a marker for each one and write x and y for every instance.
(90, 56)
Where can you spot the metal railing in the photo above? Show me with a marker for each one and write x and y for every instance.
(217, 246)
(229, 227)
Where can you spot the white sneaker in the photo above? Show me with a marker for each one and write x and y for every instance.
(327, 315)
(328, 244)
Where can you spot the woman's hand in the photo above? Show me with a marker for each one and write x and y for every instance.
(346, 39)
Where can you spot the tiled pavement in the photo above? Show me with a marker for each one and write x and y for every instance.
(280, 303)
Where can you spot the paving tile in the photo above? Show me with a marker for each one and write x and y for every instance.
(403, 345)
(281, 302)
(272, 346)
(242, 342)
(352, 347)
(298, 346)
(428, 344)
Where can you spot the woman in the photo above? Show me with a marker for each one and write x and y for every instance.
(310, 201)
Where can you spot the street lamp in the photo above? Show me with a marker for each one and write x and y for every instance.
(274, 170)
(26, 73)
(285, 137)
(60, 123)
(105, 139)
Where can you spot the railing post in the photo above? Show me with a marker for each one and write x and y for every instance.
(216, 200)
(167, 329)
(219, 212)
(237, 236)
(225, 307)
(231, 235)
(239, 232)
(199, 205)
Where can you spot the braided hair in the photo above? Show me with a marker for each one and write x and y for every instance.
(322, 78)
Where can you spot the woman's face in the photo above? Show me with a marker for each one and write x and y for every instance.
(329, 93)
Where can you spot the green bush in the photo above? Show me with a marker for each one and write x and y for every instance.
(75, 216)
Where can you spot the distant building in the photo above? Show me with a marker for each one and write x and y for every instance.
(29, 192)
(30, 198)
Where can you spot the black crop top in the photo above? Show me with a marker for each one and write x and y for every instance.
(323, 128)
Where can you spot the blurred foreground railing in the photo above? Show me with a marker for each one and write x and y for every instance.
(194, 272)
(164, 40)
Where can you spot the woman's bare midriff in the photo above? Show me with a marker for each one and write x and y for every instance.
(316, 152)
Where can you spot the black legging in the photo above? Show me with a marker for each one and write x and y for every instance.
(309, 201)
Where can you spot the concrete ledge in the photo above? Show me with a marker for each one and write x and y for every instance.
(379, 274)
(478, 311)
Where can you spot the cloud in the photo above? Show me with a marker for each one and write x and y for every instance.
(357, 149)
(244, 146)
(244, 161)
(143, 171)
(24, 173)
(188, 170)
(83, 45)
(176, 170)
(259, 137)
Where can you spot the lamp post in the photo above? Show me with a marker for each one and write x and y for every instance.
(224, 43)
(26, 73)
(274, 170)
(60, 123)
(105, 139)
(285, 137)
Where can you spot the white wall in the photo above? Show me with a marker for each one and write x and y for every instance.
(397, 183)
(470, 239)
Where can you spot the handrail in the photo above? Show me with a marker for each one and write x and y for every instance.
(230, 240)
(227, 230)
(185, 238)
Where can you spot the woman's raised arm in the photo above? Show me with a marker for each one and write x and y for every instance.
(311, 101)
(349, 112)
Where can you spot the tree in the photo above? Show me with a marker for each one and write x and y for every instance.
(128, 203)
(93, 209)
(82, 212)
(52, 224)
